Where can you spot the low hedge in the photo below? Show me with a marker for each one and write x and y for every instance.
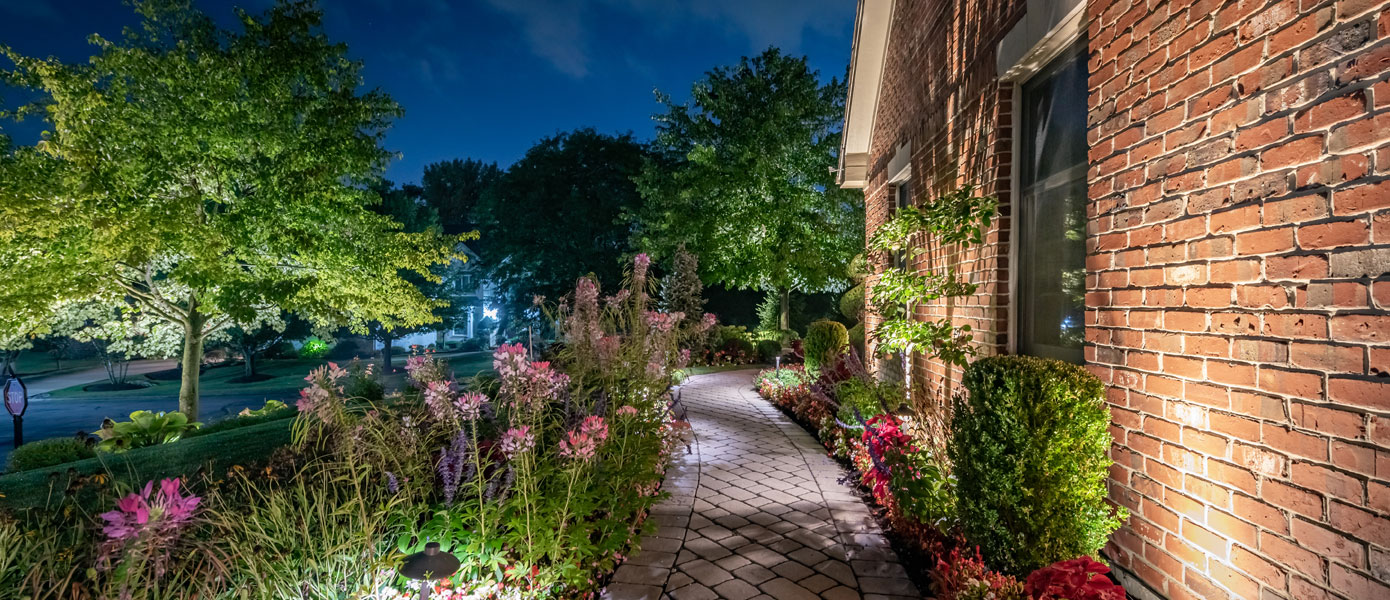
(768, 350)
(1030, 443)
(216, 452)
(46, 453)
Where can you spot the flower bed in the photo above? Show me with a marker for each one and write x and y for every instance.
(901, 459)
(538, 481)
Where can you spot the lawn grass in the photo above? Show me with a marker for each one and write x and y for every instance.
(286, 374)
(216, 452)
(36, 363)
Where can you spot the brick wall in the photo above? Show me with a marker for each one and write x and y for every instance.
(941, 96)
(1238, 298)
(1238, 289)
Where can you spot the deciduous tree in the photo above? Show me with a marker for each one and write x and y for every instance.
(204, 175)
(558, 214)
(744, 178)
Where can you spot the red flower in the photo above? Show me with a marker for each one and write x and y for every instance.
(1076, 579)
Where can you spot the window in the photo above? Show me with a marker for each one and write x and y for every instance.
(894, 366)
(902, 198)
(1052, 208)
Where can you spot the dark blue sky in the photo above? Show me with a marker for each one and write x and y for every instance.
(487, 78)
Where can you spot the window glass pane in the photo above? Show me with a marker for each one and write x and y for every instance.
(1052, 210)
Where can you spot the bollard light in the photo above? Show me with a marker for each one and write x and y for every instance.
(428, 565)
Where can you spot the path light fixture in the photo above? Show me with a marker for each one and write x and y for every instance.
(428, 565)
(16, 403)
(777, 363)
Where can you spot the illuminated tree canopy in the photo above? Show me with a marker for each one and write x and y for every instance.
(202, 175)
(745, 179)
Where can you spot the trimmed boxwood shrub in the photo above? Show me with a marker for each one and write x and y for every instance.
(46, 453)
(768, 350)
(825, 340)
(739, 345)
(852, 303)
(1030, 443)
(856, 337)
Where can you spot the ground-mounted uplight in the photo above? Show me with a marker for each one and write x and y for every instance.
(428, 565)
(16, 403)
(904, 412)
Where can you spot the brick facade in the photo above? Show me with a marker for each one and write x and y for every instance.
(1238, 268)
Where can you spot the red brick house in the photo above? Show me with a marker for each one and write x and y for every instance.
(1195, 203)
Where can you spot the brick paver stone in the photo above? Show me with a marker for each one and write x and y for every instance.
(756, 513)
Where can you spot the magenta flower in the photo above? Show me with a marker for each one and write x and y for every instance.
(469, 405)
(708, 321)
(578, 446)
(663, 322)
(509, 360)
(415, 363)
(595, 428)
(517, 441)
(617, 298)
(639, 270)
(336, 372)
(437, 399)
(313, 398)
(144, 511)
(608, 348)
(627, 411)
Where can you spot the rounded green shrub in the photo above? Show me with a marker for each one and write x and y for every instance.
(856, 337)
(46, 453)
(768, 350)
(825, 340)
(739, 346)
(1030, 443)
(852, 303)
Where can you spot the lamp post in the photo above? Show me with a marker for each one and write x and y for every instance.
(428, 565)
(16, 402)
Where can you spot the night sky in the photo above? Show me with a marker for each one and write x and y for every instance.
(487, 78)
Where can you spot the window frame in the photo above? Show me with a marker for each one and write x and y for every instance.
(1043, 50)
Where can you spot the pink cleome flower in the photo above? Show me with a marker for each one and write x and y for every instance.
(627, 411)
(415, 363)
(509, 360)
(437, 398)
(579, 446)
(517, 441)
(469, 405)
(594, 427)
(143, 511)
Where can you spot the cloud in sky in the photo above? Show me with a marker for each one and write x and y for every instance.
(558, 30)
(554, 30)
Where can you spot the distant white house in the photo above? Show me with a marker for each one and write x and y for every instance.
(469, 288)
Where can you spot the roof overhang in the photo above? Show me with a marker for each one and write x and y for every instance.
(865, 78)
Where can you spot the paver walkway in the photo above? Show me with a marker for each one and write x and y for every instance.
(757, 512)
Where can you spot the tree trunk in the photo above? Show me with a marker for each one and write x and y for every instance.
(386, 339)
(784, 321)
(9, 357)
(249, 354)
(192, 365)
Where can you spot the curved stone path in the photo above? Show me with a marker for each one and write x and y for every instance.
(757, 513)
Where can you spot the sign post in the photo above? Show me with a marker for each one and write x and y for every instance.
(16, 402)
